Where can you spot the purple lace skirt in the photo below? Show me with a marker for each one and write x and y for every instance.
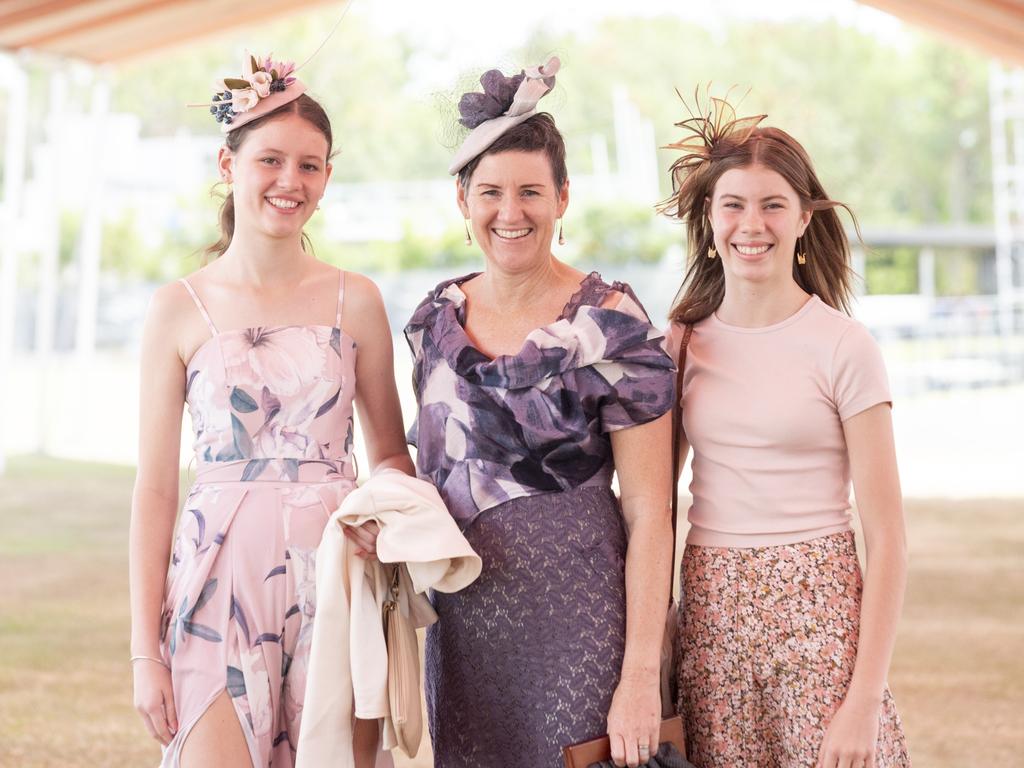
(525, 660)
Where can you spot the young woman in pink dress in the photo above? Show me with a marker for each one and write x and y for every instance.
(784, 646)
(269, 348)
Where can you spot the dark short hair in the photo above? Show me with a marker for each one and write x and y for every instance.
(536, 134)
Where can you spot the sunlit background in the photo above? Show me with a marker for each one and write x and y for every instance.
(109, 189)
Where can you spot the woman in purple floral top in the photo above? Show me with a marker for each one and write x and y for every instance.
(535, 383)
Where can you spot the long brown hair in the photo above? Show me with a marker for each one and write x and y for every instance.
(827, 272)
(305, 107)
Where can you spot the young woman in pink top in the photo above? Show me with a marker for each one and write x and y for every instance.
(784, 647)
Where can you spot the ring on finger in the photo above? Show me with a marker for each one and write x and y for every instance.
(644, 749)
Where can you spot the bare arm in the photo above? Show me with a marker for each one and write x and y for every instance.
(643, 469)
(869, 439)
(380, 412)
(155, 506)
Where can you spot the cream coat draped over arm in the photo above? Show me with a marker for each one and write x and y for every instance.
(347, 675)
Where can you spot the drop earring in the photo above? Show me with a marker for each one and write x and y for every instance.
(801, 255)
(712, 253)
(469, 239)
(561, 237)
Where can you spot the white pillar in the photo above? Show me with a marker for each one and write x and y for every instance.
(16, 82)
(49, 210)
(926, 272)
(91, 238)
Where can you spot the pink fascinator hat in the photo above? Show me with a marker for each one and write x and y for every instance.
(263, 86)
(504, 103)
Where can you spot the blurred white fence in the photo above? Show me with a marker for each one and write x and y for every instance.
(958, 379)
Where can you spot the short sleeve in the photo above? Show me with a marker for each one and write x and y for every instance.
(859, 379)
(640, 374)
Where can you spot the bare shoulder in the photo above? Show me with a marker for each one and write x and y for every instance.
(173, 323)
(361, 294)
(169, 304)
(363, 315)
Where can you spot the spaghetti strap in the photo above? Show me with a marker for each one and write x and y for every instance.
(341, 297)
(199, 305)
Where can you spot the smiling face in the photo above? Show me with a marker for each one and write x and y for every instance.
(513, 204)
(756, 217)
(279, 174)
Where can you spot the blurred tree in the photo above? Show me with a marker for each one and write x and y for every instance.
(897, 129)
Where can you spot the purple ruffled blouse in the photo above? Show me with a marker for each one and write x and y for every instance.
(490, 430)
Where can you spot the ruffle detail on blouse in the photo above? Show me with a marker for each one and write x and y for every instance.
(585, 334)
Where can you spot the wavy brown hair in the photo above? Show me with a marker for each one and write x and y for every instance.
(718, 145)
(308, 109)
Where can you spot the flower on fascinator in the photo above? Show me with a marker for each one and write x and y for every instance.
(260, 79)
(261, 83)
(498, 95)
(244, 99)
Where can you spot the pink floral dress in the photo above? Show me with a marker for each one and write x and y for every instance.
(271, 409)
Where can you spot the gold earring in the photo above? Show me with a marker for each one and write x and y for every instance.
(712, 253)
(801, 256)
(469, 240)
(561, 237)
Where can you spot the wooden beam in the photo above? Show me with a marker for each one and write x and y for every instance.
(100, 48)
(97, 21)
(996, 27)
(21, 13)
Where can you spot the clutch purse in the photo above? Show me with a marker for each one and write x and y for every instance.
(597, 753)
(403, 671)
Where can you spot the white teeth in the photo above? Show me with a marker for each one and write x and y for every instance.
(747, 250)
(511, 234)
(279, 202)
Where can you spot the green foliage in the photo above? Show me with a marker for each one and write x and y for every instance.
(959, 273)
(891, 270)
(897, 129)
(619, 234)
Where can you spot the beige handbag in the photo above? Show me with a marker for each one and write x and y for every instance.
(403, 670)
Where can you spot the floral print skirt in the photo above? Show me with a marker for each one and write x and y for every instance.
(768, 640)
(239, 606)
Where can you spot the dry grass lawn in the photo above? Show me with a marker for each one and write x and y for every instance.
(65, 690)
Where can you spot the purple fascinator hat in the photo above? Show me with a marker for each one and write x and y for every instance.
(504, 103)
(265, 85)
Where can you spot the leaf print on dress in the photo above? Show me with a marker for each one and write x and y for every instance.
(288, 433)
(283, 359)
(185, 615)
(242, 401)
(257, 688)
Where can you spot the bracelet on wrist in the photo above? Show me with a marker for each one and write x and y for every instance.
(141, 657)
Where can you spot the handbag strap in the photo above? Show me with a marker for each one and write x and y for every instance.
(677, 429)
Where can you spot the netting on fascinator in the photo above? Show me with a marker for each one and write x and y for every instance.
(496, 104)
(710, 132)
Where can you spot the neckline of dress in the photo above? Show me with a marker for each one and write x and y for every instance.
(571, 305)
(574, 303)
(218, 334)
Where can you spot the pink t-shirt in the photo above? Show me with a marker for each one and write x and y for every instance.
(763, 411)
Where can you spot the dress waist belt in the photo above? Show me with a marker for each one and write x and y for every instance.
(277, 470)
